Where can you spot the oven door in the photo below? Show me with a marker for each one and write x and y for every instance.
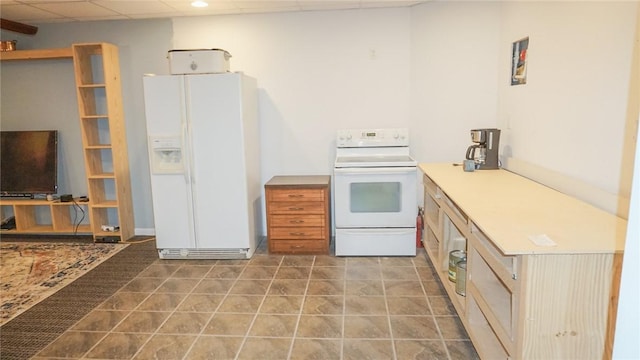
(375, 197)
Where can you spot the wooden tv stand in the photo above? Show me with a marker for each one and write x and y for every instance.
(35, 216)
(525, 301)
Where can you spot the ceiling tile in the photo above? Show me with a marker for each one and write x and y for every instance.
(186, 5)
(27, 13)
(328, 5)
(87, 10)
(76, 9)
(136, 7)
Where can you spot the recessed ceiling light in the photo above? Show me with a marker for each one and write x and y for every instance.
(199, 4)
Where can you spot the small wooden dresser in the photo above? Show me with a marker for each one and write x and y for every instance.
(298, 214)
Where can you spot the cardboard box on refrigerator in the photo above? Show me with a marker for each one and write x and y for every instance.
(200, 61)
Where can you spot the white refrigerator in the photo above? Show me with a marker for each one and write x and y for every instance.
(203, 141)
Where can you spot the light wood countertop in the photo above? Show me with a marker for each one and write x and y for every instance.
(509, 209)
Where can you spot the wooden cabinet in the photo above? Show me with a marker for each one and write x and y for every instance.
(102, 125)
(525, 300)
(97, 74)
(298, 215)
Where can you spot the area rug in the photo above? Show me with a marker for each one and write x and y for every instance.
(32, 271)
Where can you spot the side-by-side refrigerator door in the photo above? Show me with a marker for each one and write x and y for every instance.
(219, 175)
(169, 168)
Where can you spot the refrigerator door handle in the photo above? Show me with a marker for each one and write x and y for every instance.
(187, 168)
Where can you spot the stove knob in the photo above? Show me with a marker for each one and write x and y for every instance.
(396, 136)
(348, 136)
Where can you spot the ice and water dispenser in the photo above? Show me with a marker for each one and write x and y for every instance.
(166, 154)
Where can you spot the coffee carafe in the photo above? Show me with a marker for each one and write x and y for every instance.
(485, 150)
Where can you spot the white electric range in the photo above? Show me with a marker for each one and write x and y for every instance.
(375, 194)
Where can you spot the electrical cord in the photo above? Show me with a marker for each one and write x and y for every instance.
(77, 207)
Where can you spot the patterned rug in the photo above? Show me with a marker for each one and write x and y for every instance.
(30, 272)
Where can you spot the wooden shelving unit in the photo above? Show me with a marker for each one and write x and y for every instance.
(97, 74)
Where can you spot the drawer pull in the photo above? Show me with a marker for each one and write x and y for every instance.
(296, 221)
(296, 208)
(296, 233)
(297, 246)
(296, 195)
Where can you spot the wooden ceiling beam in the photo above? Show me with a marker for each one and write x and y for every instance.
(18, 27)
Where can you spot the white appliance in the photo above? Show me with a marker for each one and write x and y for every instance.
(375, 193)
(204, 160)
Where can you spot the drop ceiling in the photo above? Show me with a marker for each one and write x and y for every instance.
(48, 11)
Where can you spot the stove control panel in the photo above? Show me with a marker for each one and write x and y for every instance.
(372, 137)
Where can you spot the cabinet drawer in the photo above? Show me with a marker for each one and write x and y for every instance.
(297, 233)
(429, 185)
(432, 212)
(497, 301)
(297, 195)
(457, 215)
(298, 247)
(296, 207)
(505, 266)
(486, 341)
(296, 220)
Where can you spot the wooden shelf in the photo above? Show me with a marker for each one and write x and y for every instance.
(43, 54)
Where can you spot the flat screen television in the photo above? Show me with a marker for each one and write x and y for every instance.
(28, 162)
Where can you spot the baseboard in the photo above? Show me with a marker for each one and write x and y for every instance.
(144, 231)
(597, 197)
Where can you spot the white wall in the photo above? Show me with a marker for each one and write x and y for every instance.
(317, 72)
(626, 345)
(570, 116)
(454, 61)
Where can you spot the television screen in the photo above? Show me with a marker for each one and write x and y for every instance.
(28, 162)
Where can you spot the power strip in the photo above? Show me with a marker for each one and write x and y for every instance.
(107, 240)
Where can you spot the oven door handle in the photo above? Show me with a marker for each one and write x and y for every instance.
(374, 171)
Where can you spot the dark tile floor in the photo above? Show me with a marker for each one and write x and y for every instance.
(273, 307)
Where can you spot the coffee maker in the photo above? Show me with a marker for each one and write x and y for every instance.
(485, 152)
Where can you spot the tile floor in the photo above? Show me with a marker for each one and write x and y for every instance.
(273, 307)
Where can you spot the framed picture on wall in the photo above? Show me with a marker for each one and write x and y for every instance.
(519, 61)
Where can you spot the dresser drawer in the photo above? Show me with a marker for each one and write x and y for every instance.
(297, 220)
(300, 232)
(299, 247)
(298, 214)
(296, 207)
(297, 195)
